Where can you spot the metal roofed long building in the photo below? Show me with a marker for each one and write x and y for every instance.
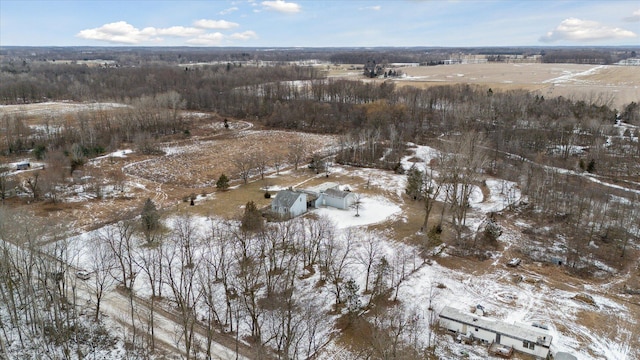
(523, 338)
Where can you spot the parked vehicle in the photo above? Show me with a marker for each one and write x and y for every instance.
(83, 275)
(514, 262)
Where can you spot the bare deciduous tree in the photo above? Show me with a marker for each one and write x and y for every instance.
(336, 258)
(102, 264)
(244, 164)
(181, 276)
(367, 255)
(297, 153)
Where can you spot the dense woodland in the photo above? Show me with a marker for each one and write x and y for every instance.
(137, 56)
(513, 135)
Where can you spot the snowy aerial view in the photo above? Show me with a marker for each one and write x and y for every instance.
(319, 180)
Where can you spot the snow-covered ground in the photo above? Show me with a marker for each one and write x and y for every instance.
(525, 302)
(372, 210)
(429, 286)
(58, 107)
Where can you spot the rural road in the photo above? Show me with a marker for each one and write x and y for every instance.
(116, 305)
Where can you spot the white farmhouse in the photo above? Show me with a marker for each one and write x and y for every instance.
(289, 203)
(520, 337)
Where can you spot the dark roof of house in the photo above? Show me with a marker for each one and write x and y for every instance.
(286, 198)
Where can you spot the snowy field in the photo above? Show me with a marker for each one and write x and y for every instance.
(57, 108)
(430, 285)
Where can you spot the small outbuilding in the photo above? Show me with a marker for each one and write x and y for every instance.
(329, 194)
(24, 165)
(336, 198)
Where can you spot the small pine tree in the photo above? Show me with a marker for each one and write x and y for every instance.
(252, 218)
(591, 167)
(223, 182)
(39, 151)
(434, 235)
(415, 183)
(352, 298)
(380, 280)
(150, 219)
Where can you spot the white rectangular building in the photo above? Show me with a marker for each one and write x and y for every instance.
(523, 338)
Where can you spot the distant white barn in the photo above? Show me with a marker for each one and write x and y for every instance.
(289, 203)
(523, 338)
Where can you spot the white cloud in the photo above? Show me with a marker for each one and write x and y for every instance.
(635, 17)
(374, 8)
(121, 32)
(228, 11)
(281, 6)
(209, 39)
(246, 35)
(179, 31)
(215, 24)
(573, 29)
(117, 32)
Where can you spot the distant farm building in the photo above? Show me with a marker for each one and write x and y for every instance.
(23, 166)
(502, 338)
(371, 69)
(291, 203)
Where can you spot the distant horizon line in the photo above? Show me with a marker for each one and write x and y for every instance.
(319, 47)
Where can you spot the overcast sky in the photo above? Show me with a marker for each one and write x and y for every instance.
(286, 23)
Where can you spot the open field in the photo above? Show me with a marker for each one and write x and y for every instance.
(619, 85)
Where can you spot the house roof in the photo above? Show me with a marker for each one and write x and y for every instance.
(286, 198)
(322, 187)
(336, 193)
(564, 356)
(517, 331)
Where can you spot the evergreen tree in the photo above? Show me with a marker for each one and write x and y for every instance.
(252, 218)
(150, 219)
(352, 298)
(223, 182)
(414, 183)
(380, 281)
